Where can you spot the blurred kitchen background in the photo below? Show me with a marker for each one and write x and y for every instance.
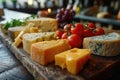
(93, 9)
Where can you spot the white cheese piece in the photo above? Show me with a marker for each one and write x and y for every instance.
(104, 45)
(30, 38)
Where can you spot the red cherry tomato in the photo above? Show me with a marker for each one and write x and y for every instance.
(67, 27)
(88, 33)
(91, 25)
(75, 40)
(64, 36)
(99, 31)
(59, 33)
(78, 29)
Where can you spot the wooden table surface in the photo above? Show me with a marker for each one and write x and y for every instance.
(12, 69)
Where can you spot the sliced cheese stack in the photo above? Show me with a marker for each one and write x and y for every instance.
(104, 45)
(73, 59)
(44, 24)
(14, 31)
(30, 38)
(44, 52)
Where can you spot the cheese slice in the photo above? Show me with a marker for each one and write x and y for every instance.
(18, 39)
(104, 45)
(30, 38)
(76, 58)
(13, 32)
(60, 59)
(73, 59)
(44, 52)
(44, 24)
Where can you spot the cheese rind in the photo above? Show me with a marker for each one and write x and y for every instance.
(44, 24)
(104, 45)
(44, 52)
(30, 38)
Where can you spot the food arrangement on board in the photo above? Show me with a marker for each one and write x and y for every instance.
(62, 41)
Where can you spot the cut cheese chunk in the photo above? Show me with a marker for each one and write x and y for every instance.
(30, 38)
(76, 58)
(44, 52)
(104, 45)
(60, 59)
(72, 59)
(44, 24)
(18, 39)
(14, 31)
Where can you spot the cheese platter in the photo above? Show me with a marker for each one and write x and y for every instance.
(98, 67)
(32, 43)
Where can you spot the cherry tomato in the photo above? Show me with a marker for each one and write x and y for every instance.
(67, 27)
(75, 40)
(59, 33)
(99, 31)
(64, 36)
(88, 33)
(78, 29)
(91, 25)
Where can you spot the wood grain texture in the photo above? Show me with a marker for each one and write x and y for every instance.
(7, 60)
(97, 68)
(17, 73)
(10, 67)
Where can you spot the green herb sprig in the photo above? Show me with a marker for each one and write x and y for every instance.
(17, 22)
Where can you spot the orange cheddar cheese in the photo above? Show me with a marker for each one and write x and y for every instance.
(76, 59)
(44, 52)
(60, 59)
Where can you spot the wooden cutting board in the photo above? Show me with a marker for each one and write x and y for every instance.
(97, 68)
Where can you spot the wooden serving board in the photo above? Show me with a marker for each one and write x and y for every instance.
(97, 68)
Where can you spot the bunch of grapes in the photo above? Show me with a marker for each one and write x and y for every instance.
(65, 16)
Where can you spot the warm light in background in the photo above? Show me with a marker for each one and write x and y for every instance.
(30, 2)
(49, 10)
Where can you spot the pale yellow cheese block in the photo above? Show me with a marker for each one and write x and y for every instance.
(30, 38)
(44, 24)
(44, 52)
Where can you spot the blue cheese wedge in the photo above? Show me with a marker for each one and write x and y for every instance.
(30, 38)
(104, 45)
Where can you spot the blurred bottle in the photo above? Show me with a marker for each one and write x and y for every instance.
(118, 15)
(4, 3)
(70, 4)
(14, 3)
(59, 3)
(77, 6)
(49, 3)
